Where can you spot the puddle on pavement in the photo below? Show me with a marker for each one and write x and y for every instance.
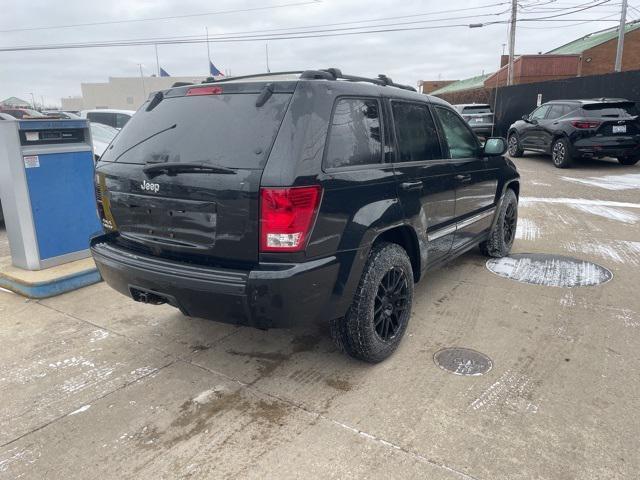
(463, 361)
(549, 270)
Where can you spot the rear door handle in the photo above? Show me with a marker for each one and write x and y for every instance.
(463, 178)
(411, 185)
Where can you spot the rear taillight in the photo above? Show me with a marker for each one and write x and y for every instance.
(582, 124)
(286, 217)
(204, 91)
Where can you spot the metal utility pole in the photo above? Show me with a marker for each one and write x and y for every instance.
(512, 41)
(266, 52)
(621, 31)
(206, 29)
(157, 60)
(33, 100)
(144, 89)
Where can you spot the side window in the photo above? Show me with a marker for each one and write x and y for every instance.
(121, 120)
(569, 108)
(416, 133)
(556, 111)
(99, 117)
(354, 134)
(461, 140)
(539, 113)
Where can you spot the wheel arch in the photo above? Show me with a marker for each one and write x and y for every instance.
(406, 237)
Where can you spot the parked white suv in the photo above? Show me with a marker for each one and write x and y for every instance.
(108, 116)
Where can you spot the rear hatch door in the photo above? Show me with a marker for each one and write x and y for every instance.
(617, 119)
(182, 178)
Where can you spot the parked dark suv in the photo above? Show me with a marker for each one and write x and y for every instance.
(284, 199)
(570, 129)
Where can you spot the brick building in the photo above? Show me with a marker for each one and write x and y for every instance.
(428, 86)
(593, 54)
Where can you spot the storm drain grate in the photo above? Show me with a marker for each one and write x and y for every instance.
(549, 270)
(463, 361)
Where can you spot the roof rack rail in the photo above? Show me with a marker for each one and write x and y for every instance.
(181, 84)
(268, 74)
(335, 74)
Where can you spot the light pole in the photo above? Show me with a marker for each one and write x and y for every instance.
(33, 100)
(512, 41)
(144, 89)
(621, 31)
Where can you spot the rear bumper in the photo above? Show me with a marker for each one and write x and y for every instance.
(621, 146)
(482, 130)
(270, 296)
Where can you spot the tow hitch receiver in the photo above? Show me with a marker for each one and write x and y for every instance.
(146, 296)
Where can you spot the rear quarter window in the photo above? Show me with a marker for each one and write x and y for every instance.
(355, 134)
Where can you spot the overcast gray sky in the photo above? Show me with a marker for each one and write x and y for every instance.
(406, 56)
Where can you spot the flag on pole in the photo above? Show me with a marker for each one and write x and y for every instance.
(164, 73)
(213, 71)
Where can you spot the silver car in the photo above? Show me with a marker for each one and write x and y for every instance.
(479, 117)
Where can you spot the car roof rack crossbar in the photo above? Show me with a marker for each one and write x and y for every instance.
(335, 74)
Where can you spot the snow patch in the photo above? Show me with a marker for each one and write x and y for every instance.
(550, 271)
(84, 408)
(577, 201)
(610, 213)
(98, 335)
(610, 182)
(619, 251)
(527, 229)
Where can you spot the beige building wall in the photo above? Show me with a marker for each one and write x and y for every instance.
(126, 93)
(72, 103)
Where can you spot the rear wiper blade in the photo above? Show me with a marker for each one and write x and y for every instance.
(172, 168)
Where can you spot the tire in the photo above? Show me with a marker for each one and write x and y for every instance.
(514, 147)
(376, 322)
(503, 232)
(628, 160)
(561, 153)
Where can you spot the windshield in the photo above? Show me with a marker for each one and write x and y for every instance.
(613, 110)
(223, 130)
(103, 133)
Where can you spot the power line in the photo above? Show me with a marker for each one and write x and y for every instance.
(283, 36)
(153, 19)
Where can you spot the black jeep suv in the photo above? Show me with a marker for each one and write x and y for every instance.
(284, 199)
(570, 129)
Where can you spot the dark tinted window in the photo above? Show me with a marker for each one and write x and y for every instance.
(462, 141)
(121, 119)
(477, 109)
(224, 130)
(621, 110)
(556, 111)
(101, 117)
(354, 134)
(539, 113)
(416, 133)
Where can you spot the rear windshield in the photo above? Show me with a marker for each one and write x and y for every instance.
(223, 130)
(477, 109)
(621, 110)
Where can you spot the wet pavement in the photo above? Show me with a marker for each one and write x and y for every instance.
(94, 385)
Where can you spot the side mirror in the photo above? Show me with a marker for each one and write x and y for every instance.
(495, 146)
(525, 118)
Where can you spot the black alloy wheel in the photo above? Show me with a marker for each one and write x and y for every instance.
(390, 305)
(510, 223)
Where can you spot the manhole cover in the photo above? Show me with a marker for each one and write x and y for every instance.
(463, 361)
(549, 270)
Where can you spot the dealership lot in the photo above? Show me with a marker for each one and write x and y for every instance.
(95, 385)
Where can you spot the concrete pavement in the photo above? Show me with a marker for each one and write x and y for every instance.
(93, 385)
